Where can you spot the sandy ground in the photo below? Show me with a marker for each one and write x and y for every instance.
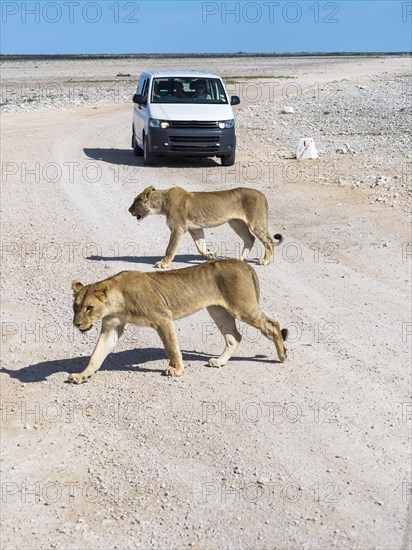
(312, 453)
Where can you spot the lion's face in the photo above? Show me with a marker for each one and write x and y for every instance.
(89, 303)
(142, 206)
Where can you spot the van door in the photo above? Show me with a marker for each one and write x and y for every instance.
(140, 113)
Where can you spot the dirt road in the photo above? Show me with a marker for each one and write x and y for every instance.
(312, 453)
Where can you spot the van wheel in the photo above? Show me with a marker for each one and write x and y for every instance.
(148, 156)
(137, 151)
(229, 160)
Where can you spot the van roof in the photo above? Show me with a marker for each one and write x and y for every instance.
(180, 73)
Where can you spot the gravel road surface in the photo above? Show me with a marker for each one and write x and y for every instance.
(312, 453)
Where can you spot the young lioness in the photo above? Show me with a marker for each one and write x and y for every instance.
(245, 210)
(229, 289)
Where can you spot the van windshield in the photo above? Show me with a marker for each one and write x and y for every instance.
(188, 90)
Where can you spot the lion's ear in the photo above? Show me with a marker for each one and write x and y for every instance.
(102, 292)
(148, 191)
(76, 286)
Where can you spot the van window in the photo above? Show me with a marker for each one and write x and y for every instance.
(143, 86)
(188, 90)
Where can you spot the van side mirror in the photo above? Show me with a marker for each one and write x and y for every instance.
(137, 98)
(234, 100)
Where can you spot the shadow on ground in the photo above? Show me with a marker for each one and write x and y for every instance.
(130, 361)
(126, 157)
(192, 259)
(188, 258)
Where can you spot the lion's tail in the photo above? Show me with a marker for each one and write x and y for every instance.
(255, 280)
(279, 238)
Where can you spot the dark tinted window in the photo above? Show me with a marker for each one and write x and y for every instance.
(187, 90)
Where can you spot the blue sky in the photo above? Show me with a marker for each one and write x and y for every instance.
(186, 26)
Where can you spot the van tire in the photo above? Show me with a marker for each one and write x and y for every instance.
(148, 157)
(228, 160)
(137, 151)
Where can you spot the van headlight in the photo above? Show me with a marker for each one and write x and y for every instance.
(155, 123)
(226, 124)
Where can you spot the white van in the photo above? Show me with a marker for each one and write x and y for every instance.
(183, 113)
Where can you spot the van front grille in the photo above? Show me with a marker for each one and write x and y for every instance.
(193, 124)
(195, 148)
(194, 139)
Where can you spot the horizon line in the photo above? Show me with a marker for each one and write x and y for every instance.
(194, 55)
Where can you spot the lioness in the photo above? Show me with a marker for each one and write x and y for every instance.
(229, 289)
(245, 210)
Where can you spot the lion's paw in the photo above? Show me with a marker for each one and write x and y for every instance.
(76, 378)
(214, 362)
(263, 262)
(211, 255)
(162, 264)
(172, 371)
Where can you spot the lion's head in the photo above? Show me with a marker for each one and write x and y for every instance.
(89, 303)
(142, 205)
